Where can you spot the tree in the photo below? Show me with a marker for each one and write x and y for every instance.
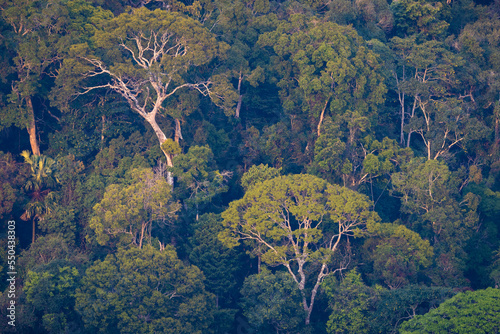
(240, 24)
(219, 264)
(272, 300)
(128, 210)
(196, 173)
(350, 301)
(148, 57)
(12, 178)
(427, 73)
(325, 69)
(468, 312)
(479, 45)
(392, 307)
(299, 221)
(397, 253)
(435, 209)
(422, 17)
(51, 290)
(144, 291)
(40, 31)
(40, 186)
(372, 19)
(258, 174)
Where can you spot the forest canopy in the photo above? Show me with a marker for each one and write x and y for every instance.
(229, 166)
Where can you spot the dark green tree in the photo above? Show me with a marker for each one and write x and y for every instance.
(51, 290)
(468, 312)
(350, 301)
(219, 264)
(40, 187)
(142, 291)
(272, 303)
(398, 254)
(197, 175)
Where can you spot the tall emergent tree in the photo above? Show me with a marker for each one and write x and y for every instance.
(325, 69)
(147, 57)
(300, 222)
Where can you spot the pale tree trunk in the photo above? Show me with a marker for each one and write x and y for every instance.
(103, 129)
(322, 116)
(143, 227)
(238, 107)
(32, 128)
(429, 144)
(401, 97)
(411, 116)
(178, 133)
(150, 118)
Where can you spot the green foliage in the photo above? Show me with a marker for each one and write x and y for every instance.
(12, 178)
(395, 306)
(129, 210)
(272, 303)
(197, 174)
(349, 301)
(216, 139)
(219, 264)
(297, 219)
(371, 18)
(61, 220)
(47, 249)
(51, 291)
(396, 100)
(398, 254)
(170, 147)
(468, 312)
(429, 196)
(419, 17)
(330, 71)
(143, 291)
(257, 174)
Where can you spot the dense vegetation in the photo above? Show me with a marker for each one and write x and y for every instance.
(251, 166)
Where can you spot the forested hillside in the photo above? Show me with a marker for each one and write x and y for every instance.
(249, 166)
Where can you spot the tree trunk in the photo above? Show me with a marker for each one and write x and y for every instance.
(178, 133)
(103, 128)
(429, 143)
(143, 227)
(150, 118)
(496, 143)
(401, 96)
(322, 116)
(402, 136)
(238, 107)
(33, 233)
(411, 116)
(170, 178)
(32, 128)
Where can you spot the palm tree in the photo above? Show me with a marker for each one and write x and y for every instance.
(39, 187)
